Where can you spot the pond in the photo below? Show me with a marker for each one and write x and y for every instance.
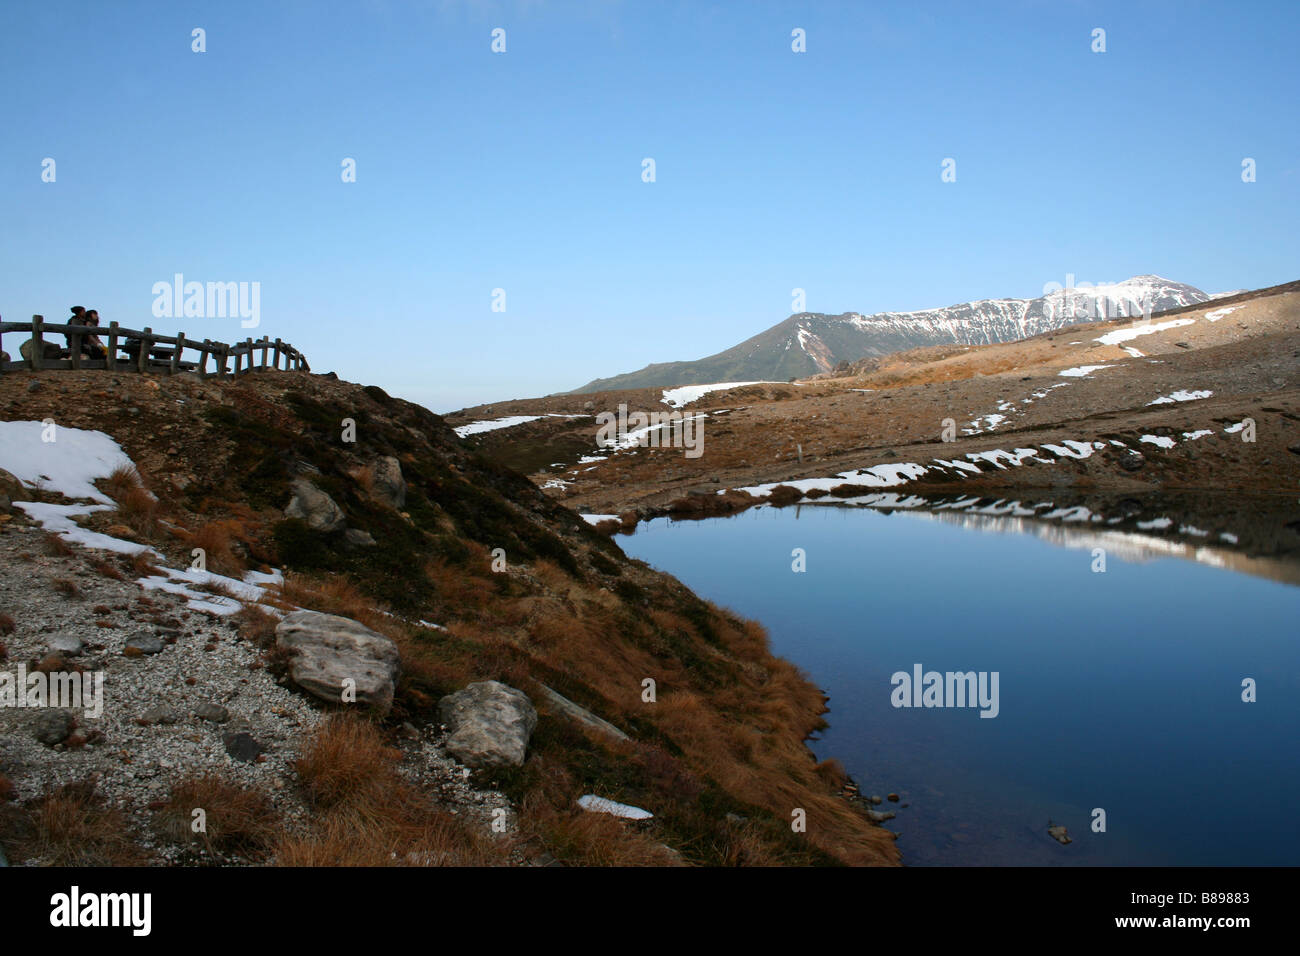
(1117, 690)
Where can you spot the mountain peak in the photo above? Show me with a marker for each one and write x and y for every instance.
(807, 343)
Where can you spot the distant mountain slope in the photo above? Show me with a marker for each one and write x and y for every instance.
(812, 342)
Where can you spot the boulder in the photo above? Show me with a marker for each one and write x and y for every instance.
(314, 507)
(387, 486)
(356, 538)
(143, 644)
(68, 644)
(327, 650)
(50, 352)
(490, 724)
(52, 726)
(11, 490)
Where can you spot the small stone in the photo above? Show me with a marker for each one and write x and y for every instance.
(66, 644)
(1059, 834)
(892, 798)
(876, 816)
(161, 715)
(52, 726)
(144, 644)
(242, 747)
(356, 538)
(213, 712)
(876, 800)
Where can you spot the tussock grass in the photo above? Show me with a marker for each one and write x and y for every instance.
(367, 815)
(70, 826)
(55, 546)
(256, 625)
(67, 587)
(217, 539)
(237, 819)
(137, 508)
(107, 568)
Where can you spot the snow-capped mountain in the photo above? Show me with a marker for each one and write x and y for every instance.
(812, 342)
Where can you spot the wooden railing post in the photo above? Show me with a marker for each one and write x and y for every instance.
(275, 363)
(74, 350)
(223, 356)
(38, 341)
(176, 352)
(203, 357)
(142, 360)
(110, 362)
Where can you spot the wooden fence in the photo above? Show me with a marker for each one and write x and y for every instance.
(145, 351)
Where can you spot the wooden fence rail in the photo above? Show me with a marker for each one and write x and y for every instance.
(146, 351)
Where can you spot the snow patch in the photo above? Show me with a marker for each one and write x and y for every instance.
(1181, 396)
(595, 804)
(685, 394)
(1159, 440)
(1082, 371)
(1132, 332)
(68, 464)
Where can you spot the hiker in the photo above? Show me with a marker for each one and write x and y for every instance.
(91, 344)
(78, 318)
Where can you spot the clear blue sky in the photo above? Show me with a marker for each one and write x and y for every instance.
(522, 170)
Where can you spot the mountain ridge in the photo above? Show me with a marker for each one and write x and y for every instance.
(808, 343)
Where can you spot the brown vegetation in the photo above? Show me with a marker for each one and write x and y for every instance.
(69, 826)
(235, 819)
(367, 815)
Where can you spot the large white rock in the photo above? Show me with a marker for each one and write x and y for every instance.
(314, 507)
(387, 485)
(490, 724)
(328, 650)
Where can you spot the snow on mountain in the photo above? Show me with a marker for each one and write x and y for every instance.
(812, 342)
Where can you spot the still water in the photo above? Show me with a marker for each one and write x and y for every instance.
(1118, 691)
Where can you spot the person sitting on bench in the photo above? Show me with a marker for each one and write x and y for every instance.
(90, 344)
(78, 318)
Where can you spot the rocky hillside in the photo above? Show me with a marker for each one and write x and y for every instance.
(314, 606)
(812, 342)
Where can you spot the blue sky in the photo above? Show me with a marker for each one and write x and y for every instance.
(522, 171)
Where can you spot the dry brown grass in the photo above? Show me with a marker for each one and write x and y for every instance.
(599, 839)
(121, 480)
(137, 508)
(367, 815)
(237, 820)
(217, 539)
(71, 826)
(107, 568)
(256, 625)
(55, 546)
(142, 565)
(332, 594)
(346, 761)
(67, 587)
